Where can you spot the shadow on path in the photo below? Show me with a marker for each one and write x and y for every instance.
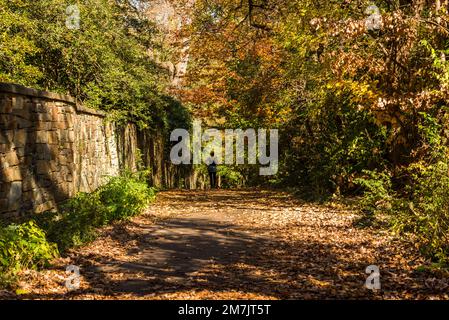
(210, 250)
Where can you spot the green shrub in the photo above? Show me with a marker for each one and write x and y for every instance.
(124, 197)
(420, 213)
(377, 191)
(77, 220)
(419, 208)
(230, 177)
(328, 144)
(23, 246)
(424, 213)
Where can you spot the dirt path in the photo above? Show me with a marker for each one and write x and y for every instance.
(252, 244)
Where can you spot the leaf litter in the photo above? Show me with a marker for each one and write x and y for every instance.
(238, 244)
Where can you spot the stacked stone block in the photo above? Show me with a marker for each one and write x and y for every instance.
(50, 149)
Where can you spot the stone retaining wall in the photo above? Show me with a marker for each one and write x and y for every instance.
(52, 148)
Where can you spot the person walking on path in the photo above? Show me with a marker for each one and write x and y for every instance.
(212, 163)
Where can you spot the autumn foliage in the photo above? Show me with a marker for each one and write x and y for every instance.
(353, 102)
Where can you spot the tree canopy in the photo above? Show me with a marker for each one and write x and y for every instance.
(105, 63)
